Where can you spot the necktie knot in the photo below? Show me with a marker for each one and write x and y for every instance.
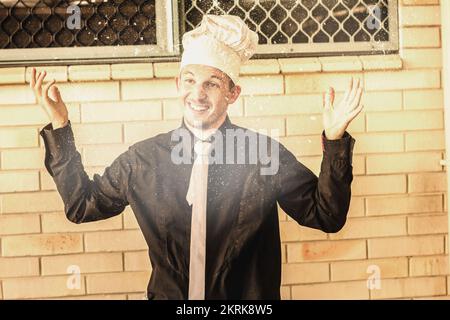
(202, 148)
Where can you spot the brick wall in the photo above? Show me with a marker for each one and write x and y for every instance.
(397, 221)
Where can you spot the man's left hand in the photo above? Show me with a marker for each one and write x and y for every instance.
(337, 119)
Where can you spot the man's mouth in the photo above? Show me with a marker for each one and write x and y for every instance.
(198, 108)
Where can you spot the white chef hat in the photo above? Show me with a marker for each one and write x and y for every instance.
(223, 42)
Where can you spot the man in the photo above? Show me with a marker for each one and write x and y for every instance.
(211, 227)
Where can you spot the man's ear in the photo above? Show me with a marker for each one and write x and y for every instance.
(233, 94)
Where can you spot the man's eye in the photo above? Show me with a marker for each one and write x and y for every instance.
(213, 85)
(190, 81)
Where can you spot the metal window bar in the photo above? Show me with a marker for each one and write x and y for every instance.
(38, 30)
(309, 27)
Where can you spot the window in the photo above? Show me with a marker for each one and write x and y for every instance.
(42, 30)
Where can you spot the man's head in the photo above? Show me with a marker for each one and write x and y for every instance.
(205, 93)
(209, 70)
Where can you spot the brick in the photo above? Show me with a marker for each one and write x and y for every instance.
(272, 126)
(125, 71)
(419, 16)
(129, 219)
(422, 58)
(121, 111)
(420, 37)
(403, 205)
(427, 182)
(42, 287)
(89, 72)
(114, 241)
(89, 91)
(97, 133)
(357, 270)
(378, 143)
(137, 296)
(22, 115)
(148, 89)
(87, 263)
(285, 293)
(304, 145)
(331, 291)
(313, 163)
(297, 273)
(405, 246)
(58, 222)
(135, 132)
(19, 224)
(405, 79)
(312, 124)
(22, 159)
(428, 266)
(381, 62)
(42, 244)
(427, 224)
(340, 63)
(292, 231)
(423, 99)
(254, 85)
(59, 73)
(46, 181)
(166, 69)
(300, 65)
(117, 282)
(12, 75)
(260, 66)
(18, 138)
(378, 185)
(360, 228)
(419, 2)
(326, 251)
(19, 181)
(19, 267)
(410, 287)
(95, 297)
(137, 261)
(382, 101)
(102, 155)
(283, 105)
(422, 141)
(407, 162)
(356, 208)
(31, 202)
(16, 94)
(318, 83)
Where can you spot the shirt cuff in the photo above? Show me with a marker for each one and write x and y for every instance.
(59, 143)
(340, 148)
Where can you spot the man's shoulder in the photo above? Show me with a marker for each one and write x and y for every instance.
(161, 140)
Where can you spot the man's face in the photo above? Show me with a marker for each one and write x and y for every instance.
(205, 94)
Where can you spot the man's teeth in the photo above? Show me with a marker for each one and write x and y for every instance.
(198, 108)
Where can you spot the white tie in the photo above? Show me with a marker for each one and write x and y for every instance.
(197, 196)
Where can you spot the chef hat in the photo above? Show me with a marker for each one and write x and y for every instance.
(223, 42)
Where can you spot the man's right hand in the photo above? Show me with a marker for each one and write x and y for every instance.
(50, 99)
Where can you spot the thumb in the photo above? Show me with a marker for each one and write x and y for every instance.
(55, 94)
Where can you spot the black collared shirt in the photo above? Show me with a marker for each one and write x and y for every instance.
(243, 251)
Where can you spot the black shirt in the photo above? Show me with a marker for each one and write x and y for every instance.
(243, 251)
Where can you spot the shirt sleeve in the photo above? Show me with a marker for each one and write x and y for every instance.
(318, 202)
(84, 199)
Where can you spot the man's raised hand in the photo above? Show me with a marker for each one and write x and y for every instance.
(50, 99)
(336, 119)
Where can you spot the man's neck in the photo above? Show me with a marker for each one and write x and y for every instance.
(202, 133)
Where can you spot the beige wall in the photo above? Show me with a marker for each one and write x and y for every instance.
(397, 218)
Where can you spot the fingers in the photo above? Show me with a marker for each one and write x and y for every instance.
(329, 98)
(349, 89)
(40, 79)
(355, 112)
(355, 87)
(55, 94)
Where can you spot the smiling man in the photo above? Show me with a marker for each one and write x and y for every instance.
(211, 227)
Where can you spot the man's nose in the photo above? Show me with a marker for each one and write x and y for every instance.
(198, 92)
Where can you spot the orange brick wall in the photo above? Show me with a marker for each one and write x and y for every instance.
(397, 221)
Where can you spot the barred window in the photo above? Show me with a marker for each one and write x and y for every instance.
(310, 27)
(42, 30)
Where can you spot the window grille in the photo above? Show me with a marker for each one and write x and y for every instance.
(318, 27)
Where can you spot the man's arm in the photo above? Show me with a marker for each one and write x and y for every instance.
(84, 199)
(318, 202)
